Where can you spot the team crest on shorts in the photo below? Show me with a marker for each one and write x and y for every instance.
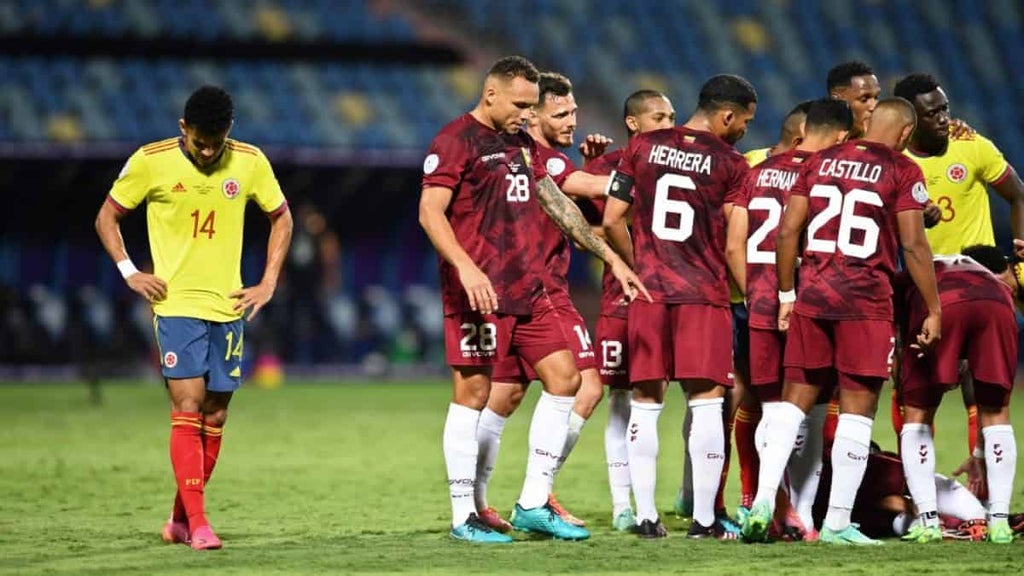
(956, 173)
(170, 359)
(230, 187)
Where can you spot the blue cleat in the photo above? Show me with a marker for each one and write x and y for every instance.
(474, 530)
(544, 520)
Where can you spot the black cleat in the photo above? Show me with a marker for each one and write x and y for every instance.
(651, 529)
(715, 531)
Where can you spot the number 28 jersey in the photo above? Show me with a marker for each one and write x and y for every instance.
(854, 192)
(678, 181)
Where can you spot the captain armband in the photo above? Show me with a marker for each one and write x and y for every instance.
(620, 186)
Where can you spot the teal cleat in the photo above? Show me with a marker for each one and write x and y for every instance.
(544, 520)
(851, 535)
(474, 530)
(624, 521)
(683, 507)
(755, 523)
(742, 513)
(999, 531)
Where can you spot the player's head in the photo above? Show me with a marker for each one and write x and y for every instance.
(993, 258)
(646, 110)
(209, 114)
(828, 122)
(856, 83)
(728, 102)
(928, 98)
(510, 93)
(555, 116)
(892, 123)
(792, 132)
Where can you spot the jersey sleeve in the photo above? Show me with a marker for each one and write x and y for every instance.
(742, 199)
(266, 191)
(620, 185)
(559, 169)
(445, 162)
(990, 159)
(800, 185)
(911, 192)
(133, 183)
(737, 178)
(533, 159)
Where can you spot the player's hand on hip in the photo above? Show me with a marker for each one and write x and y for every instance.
(785, 312)
(253, 299)
(932, 214)
(960, 129)
(594, 145)
(148, 286)
(931, 332)
(630, 282)
(482, 297)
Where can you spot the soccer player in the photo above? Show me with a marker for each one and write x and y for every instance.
(680, 184)
(856, 83)
(196, 187)
(643, 111)
(790, 135)
(863, 199)
(484, 195)
(750, 252)
(978, 324)
(552, 127)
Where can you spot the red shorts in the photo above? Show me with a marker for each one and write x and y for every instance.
(679, 341)
(984, 333)
(515, 367)
(475, 339)
(860, 351)
(766, 348)
(613, 344)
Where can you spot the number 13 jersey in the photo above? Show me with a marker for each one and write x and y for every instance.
(854, 192)
(678, 181)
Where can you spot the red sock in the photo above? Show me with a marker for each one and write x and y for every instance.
(896, 411)
(972, 428)
(828, 432)
(746, 450)
(211, 449)
(187, 461)
(720, 496)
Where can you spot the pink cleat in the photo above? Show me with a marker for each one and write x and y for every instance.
(204, 539)
(175, 532)
(494, 521)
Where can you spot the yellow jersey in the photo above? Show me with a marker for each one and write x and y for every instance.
(755, 157)
(195, 218)
(956, 182)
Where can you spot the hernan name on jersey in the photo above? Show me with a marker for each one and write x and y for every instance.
(850, 169)
(679, 160)
(778, 179)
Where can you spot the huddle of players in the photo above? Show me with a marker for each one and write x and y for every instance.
(509, 318)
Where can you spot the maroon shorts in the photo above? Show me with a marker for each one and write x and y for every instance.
(613, 346)
(679, 341)
(860, 351)
(984, 333)
(766, 348)
(475, 339)
(515, 367)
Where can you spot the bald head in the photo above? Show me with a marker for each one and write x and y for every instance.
(892, 123)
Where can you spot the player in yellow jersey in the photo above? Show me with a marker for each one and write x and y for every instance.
(790, 136)
(196, 188)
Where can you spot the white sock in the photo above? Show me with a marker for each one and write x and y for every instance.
(488, 438)
(954, 499)
(547, 438)
(778, 445)
(706, 446)
(917, 449)
(901, 523)
(576, 423)
(642, 447)
(686, 488)
(1001, 462)
(615, 449)
(805, 464)
(849, 460)
(460, 451)
(761, 432)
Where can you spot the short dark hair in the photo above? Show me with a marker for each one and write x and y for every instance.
(991, 257)
(553, 84)
(800, 108)
(829, 114)
(841, 74)
(634, 104)
(726, 90)
(511, 67)
(209, 110)
(911, 86)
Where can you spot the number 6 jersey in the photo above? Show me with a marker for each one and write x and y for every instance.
(854, 192)
(678, 181)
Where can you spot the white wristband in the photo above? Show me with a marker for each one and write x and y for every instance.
(127, 268)
(787, 297)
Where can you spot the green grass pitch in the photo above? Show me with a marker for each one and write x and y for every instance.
(346, 479)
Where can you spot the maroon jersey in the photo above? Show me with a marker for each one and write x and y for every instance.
(553, 242)
(613, 299)
(493, 211)
(680, 180)
(959, 279)
(854, 190)
(765, 193)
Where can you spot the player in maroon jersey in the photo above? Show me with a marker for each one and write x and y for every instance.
(680, 183)
(750, 252)
(863, 200)
(552, 127)
(482, 203)
(979, 326)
